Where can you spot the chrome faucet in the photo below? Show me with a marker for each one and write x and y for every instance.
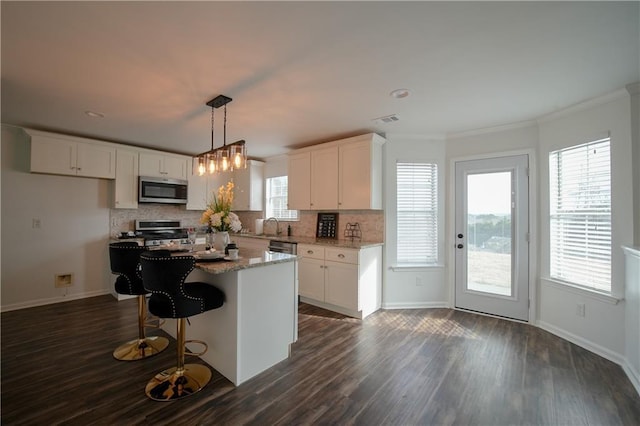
(277, 224)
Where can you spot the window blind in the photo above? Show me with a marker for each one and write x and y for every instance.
(277, 193)
(417, 213)
(580, 215)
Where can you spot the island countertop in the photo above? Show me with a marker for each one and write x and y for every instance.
(248, 258)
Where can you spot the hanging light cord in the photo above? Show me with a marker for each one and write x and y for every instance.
(212, 115)
(225, 126)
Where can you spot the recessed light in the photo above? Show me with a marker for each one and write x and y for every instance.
(94, 114)
(399, 93)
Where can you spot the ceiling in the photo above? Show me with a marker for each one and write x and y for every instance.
(305, 72)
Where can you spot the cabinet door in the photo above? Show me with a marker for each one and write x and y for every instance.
(250, 243)
(175, 167)
(324, 179)
(126, 183)
(96, 161)
(299, 181)
(248, 187)
(52, 155)
(197, 189)
(341, 286)
(151, 164)
(355, 176)
(311, 278)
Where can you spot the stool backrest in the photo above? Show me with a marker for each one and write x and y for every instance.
(163, 276)
(124, 258)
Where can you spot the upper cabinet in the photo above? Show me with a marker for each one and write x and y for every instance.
(67, 155)
(299, 181)
(340, 175)
(125, 189)
(248, 192)
(164, 165)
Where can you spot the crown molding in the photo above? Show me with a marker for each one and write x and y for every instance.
(588, 104)
(493, 129)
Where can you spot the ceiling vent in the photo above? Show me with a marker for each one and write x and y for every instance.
(386, 119)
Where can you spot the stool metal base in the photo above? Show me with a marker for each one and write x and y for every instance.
(172, 384)
(141, 348)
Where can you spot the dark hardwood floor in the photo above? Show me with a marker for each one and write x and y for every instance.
(401, 367)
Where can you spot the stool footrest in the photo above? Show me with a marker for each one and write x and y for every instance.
(206, 347)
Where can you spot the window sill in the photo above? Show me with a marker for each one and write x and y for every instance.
(414, 268)
(572, 288)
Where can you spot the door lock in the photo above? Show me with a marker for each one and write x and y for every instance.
(460, 246)
(460, 235)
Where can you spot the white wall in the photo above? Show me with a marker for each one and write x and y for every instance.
(602, 327)
(416, 287)
(73, 236)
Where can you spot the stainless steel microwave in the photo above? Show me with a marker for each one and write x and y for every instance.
(162, 190)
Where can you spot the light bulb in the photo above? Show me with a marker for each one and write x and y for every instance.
(212, 166)
(201, 169)
(225, 164)
(237, 160)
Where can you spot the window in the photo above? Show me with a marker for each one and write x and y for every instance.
(277, 199)
(580, 215)
(417, 213)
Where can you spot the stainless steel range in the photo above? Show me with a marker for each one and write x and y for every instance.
(161, 232)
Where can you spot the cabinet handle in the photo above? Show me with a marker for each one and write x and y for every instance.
(341, 256)
(309, 251)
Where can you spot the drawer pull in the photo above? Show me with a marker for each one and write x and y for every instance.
(309, 251)
(341, 256)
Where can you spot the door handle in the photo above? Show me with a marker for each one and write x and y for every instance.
(460, 235)
(460, 246)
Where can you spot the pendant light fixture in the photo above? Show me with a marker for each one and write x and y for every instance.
(226, 157)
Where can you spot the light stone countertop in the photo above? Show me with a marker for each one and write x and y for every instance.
(248, 258)
(312, 240)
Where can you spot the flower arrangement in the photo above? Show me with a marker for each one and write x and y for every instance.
(218, 214)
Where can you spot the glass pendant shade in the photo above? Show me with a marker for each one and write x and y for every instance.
(227, 157)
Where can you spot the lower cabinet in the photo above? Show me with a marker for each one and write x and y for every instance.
(344, 280)
(249, 243)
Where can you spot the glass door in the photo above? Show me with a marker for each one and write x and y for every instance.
(492, 250)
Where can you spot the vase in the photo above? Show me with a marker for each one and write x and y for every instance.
(220, 240)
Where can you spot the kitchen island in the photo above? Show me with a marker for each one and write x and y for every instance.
(258, 322)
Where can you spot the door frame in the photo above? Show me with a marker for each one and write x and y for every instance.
(450, 239)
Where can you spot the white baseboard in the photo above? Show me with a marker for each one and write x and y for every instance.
(631, 373)
(420, 305)
(583, 343)
(50, 301)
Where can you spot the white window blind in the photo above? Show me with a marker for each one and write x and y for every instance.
(277, 189)
(417, 213)
(580, 215)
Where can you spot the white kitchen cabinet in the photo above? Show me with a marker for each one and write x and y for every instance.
(248, 191)
(126, 182)
(249, 243)
(58, 154)
(344, 280)
(159, 164)
(339, 175)
(200, 189)
(324, 178)
(360, 174)
(299, 181)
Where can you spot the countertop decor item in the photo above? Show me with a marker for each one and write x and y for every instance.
(226, 157)
(219, 217)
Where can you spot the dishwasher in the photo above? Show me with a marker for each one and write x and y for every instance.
(282, 247)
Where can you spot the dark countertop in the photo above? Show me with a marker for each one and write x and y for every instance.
(330, 242)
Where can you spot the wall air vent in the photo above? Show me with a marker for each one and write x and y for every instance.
(386, 119)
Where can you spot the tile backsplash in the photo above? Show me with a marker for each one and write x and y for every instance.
(371, 221)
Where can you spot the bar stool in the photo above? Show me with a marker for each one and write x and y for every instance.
(125, 259)
(164, 276)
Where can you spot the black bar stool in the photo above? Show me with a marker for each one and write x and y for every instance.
(125, 261)
(164, 276)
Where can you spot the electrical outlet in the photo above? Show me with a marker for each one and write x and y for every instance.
(63, 280)
(580, 308)
(35, 223)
